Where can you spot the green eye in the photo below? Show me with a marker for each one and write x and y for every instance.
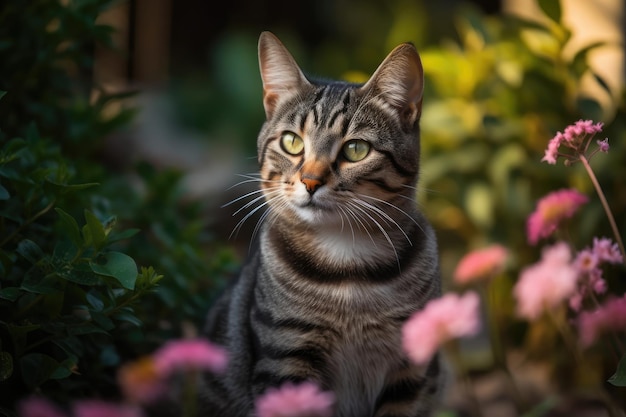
(356, 150)
(292, 143)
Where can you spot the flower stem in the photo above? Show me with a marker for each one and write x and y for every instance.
(605, 204)
(500, 362)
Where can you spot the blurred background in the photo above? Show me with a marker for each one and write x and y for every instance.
(159, 102)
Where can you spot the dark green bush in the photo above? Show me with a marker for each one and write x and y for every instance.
(77, 297)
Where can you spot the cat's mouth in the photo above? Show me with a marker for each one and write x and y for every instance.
(313, 211)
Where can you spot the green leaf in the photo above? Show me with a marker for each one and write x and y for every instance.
(70, 227)
(30, 251)
(6, 366)
(79, 276)
(36, 281)
(95, 230)
(101, 320)
(619, 377)
(60, 188)
(128, 317)
(579, 64)
(126, 234)
(602, 82)
(552, 9)
(95, 300)
(117, 265)
(2, 93)
(10, 293)
(64, 369)
(37, 368)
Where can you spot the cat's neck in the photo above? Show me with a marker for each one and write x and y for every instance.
(347, 245)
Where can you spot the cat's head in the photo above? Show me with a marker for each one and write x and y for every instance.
(331, 151)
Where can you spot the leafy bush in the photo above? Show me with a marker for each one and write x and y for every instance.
(74, 304)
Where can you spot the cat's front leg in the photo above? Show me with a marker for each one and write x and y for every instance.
(412, 391)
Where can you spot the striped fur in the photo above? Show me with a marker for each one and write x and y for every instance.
(343, 257)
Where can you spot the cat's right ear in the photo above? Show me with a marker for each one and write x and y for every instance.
(280, 73)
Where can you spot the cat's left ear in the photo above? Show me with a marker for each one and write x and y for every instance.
(280, 73)
(400, 81)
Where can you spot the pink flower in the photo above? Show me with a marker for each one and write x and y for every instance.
(550, 211)
(140, 382)
(98, 408)
(479, 264)
(441, 320)
(603, 145)
(552, 152)
(576, 138)
(547, 283)
(38, 407)
(611, 316)
(190, 354)
(572, 133)
(586, 261)
(290, 400)
(606, 250)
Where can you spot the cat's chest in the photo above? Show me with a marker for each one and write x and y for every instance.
(364, 357)
(341, 246)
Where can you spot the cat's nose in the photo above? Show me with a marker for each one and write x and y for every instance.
(311, 184)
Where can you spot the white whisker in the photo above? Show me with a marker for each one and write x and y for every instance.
(384, 216)
(267, 195)
(394, 207)
(381, 228)
(359, 221)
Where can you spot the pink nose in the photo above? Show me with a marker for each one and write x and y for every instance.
(311, 184)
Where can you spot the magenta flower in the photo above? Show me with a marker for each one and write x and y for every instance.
(603, 145)
(98, 408)
(290, 400)
(550, 211)
(575, 139)
(547, 283)
(607, 251)
(588, 262)
(38, 407)
(611, 316)
(186, 354)
(441, 320)
(481, 264)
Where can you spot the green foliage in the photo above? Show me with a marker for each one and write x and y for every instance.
(46, 48)
(63, 287)
(619, 377)
(494, 99)
(74, 304)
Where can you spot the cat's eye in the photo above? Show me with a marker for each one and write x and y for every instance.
(356, 150)
(292, 143)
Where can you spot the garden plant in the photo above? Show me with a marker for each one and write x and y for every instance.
(102, 268)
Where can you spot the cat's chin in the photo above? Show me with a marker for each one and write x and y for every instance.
(315, 214)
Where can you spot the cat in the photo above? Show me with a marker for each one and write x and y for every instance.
(343, 255)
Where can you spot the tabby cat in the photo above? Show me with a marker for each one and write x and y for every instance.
(344, 257)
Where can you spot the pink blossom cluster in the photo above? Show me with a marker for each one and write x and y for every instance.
(40, 407)
(145, 379)
(295, 400)
(141, 381)
(577, 138)
(546, 284)
(443, 319)
(481, 264)
(611, 316)
(551, 210)
(588, 262)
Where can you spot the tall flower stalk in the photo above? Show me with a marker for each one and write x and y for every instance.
(573, 145)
